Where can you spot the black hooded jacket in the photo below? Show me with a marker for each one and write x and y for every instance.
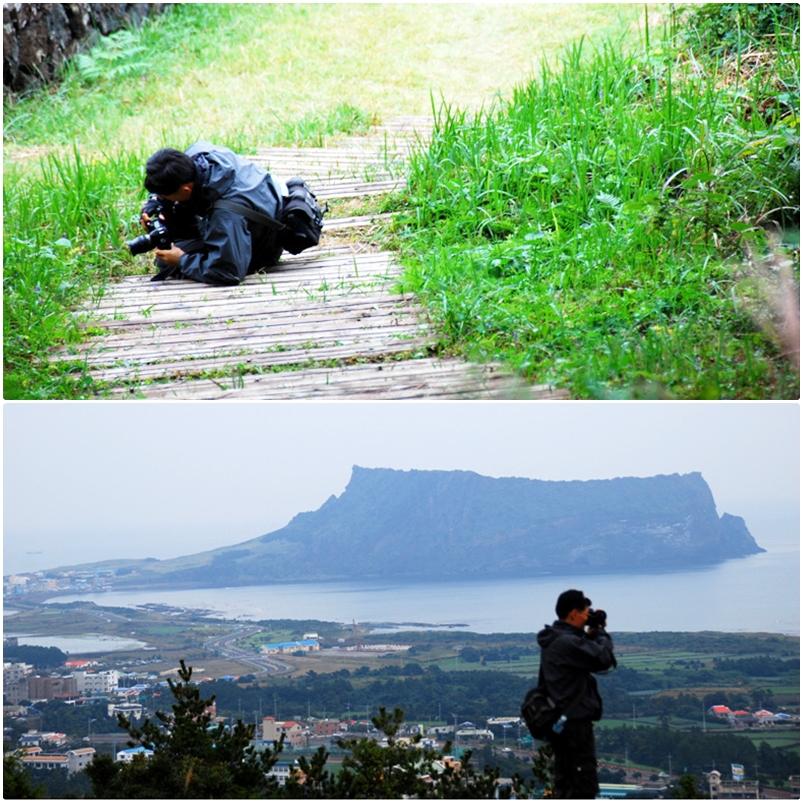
(233, 246)
(568, 657)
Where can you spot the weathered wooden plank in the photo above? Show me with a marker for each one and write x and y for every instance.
(145, 309)
(348, 188)
(242, 337)
(171, 369)
(317, 259)
(165, 346)
(275, 307)
(134, 298)
(419, 379)
(356, 222)
(336, 277)
(313, 357)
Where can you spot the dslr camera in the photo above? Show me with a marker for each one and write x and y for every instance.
(596, 619)
(157, 235)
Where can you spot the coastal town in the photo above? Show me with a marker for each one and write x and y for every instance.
(95, 693)
(25, 584)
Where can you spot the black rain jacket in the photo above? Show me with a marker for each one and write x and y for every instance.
(568, 656)
(232, 245)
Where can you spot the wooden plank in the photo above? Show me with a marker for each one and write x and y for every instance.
(425, 378)
(277, 308)
(354, 272)
(164, 346)
(356, 222)
(171, 369)
(348, 188)
(333, 287)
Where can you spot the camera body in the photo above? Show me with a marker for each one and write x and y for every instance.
(596, 619)
(157, 235)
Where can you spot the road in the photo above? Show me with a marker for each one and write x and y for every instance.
(225, 647)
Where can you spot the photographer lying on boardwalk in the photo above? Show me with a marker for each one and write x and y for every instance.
(215, 217)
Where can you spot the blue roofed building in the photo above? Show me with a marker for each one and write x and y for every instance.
(305, 645)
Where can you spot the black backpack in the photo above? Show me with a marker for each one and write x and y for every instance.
(300, 223)
(301, 216)
(539, 712)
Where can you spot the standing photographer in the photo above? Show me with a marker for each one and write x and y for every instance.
(208, 243)
(569, 656)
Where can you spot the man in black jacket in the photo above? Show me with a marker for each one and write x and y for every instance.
(569, 656)
(211, 244)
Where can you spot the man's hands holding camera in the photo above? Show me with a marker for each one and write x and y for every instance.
(597, 620)
(157, 237)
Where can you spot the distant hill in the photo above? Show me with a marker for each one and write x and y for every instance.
(458, 524)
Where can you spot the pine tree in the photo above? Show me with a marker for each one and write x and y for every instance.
(192, 757)
(16, 781)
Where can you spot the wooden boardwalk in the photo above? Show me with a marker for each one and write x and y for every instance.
(326, 324)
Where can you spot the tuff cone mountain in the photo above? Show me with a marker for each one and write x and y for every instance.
(457, 524)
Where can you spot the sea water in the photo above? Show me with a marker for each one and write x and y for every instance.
(760, 593)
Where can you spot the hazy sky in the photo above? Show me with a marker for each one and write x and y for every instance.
(90, 481)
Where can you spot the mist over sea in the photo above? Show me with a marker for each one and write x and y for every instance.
(760, 593)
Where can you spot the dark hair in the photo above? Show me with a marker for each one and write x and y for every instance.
(571, 600)
(167, 170)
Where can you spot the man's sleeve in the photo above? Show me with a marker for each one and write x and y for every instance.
(226, 254)
(594, 653)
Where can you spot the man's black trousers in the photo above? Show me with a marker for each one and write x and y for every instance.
(576, 761)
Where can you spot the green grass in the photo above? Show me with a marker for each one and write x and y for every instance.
(596, 232)
(63, 228)
(253, 74)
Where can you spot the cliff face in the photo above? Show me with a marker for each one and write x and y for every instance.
(447, 524)
(39, 37)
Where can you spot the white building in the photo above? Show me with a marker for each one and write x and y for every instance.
(475, 734)
(130, 753)
(89, 683)
(14, 672)
(78, 759)
(282, 770)
(128, 710)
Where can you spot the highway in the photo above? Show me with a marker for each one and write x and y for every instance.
(225, 647)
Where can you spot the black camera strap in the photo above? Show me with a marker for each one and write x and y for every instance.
(249, 214)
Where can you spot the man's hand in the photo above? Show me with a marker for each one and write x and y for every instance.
(149, 208)
(171, 257)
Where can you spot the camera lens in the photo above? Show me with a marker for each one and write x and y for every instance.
(141, 244)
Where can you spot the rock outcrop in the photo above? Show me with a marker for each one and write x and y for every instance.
(437, 525)
(39, 37)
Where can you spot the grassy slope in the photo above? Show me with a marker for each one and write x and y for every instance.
(613, 228)
(280, 64)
